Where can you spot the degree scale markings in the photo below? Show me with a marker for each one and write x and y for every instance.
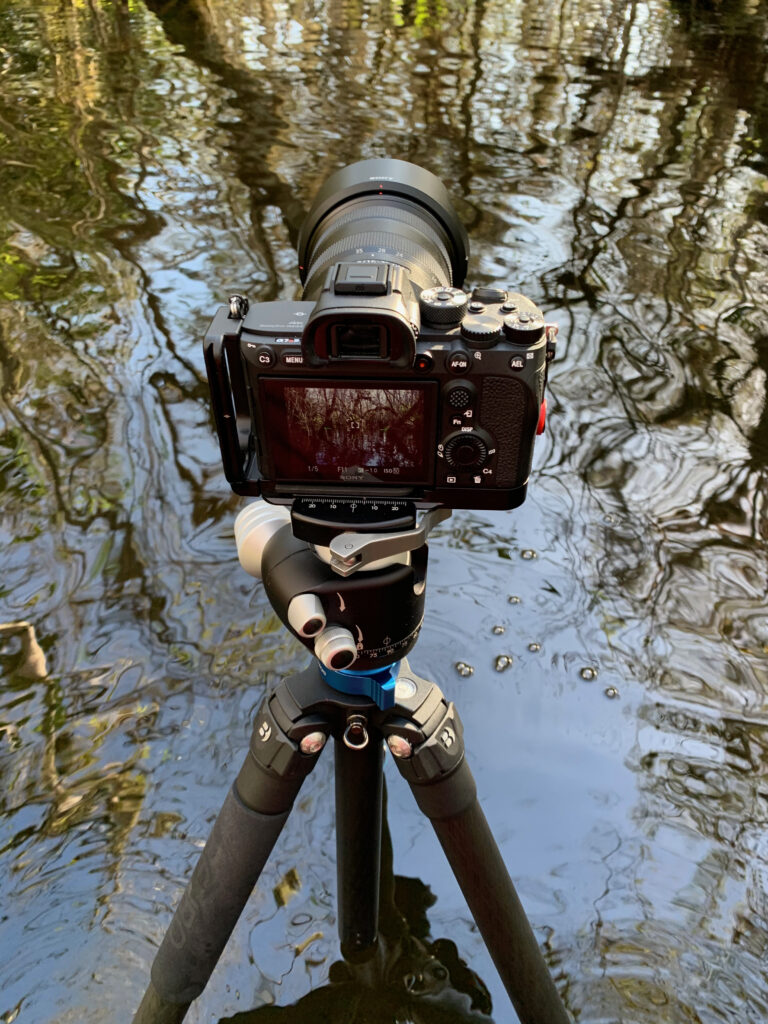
(351, 504)
(392, 647)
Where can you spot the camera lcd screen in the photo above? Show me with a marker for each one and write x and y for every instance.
(349, 432)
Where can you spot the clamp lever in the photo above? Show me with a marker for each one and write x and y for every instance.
(353, 551)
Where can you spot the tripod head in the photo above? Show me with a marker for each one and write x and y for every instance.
(347, 577)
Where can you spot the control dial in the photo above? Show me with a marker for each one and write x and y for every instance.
(466, 450)
(523, 327)
(443, 307)
(482, 330)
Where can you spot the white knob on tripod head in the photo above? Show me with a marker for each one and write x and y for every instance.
(306, 615)
(336, 648)
(255, 525)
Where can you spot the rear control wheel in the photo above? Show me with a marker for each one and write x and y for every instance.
(465, 450)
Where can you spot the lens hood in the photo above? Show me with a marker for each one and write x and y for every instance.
(391, 178)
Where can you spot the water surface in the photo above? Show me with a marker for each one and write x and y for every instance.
(609, 160)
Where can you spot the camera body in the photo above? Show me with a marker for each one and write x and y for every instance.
(387, 381)
(372, 395)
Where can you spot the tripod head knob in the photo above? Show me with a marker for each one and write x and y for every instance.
(306, 615)
(336, 648)
(255, 526)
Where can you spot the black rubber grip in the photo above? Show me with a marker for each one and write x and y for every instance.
(502, 413)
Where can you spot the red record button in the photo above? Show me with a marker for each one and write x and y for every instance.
(423, 363)
(542, 417)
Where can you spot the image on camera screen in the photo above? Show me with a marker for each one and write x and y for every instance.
(349, 433)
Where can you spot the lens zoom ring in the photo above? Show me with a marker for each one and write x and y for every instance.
(417, 221)
(385, 212)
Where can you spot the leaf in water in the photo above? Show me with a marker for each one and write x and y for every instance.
(307, 942)
(287, 887)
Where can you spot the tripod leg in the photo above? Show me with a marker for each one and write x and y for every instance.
(445, 791)
(359, 783)
(243, 835)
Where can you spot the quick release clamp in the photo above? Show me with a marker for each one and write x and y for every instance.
(347, 577)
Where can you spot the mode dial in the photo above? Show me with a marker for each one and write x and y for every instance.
(443, 307)
(465, 450)
(483, 330)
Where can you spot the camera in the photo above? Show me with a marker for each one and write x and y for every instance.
(387, 380)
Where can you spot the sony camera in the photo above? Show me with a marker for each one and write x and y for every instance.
(387, 380)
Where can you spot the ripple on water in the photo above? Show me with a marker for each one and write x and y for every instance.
(654, 970)
(134, 203)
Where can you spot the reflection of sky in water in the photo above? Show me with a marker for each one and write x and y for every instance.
(609, 161)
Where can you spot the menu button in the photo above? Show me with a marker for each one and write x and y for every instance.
(293, 358)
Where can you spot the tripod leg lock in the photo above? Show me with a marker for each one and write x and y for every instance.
(277, 761)
(436, 771)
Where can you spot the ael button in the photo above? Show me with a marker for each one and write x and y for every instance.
(542, 417)
(423, 363)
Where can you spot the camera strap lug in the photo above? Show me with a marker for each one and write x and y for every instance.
(353, 551)
(238, 307)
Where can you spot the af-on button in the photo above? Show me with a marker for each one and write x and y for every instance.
(458, 362)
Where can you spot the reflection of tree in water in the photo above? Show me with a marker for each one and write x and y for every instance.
(346, 427)
(655, 115)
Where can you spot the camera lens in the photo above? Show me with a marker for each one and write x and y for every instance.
(385, 210)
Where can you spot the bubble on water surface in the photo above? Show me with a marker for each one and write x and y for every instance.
(498, 630)
(612, 692)
(589, 673)
(514, 599)
(534, 647)
(464, 669)
(528, 554)
(503, 661)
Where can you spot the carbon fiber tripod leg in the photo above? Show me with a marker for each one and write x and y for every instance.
(243, 836)
(445, 791)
